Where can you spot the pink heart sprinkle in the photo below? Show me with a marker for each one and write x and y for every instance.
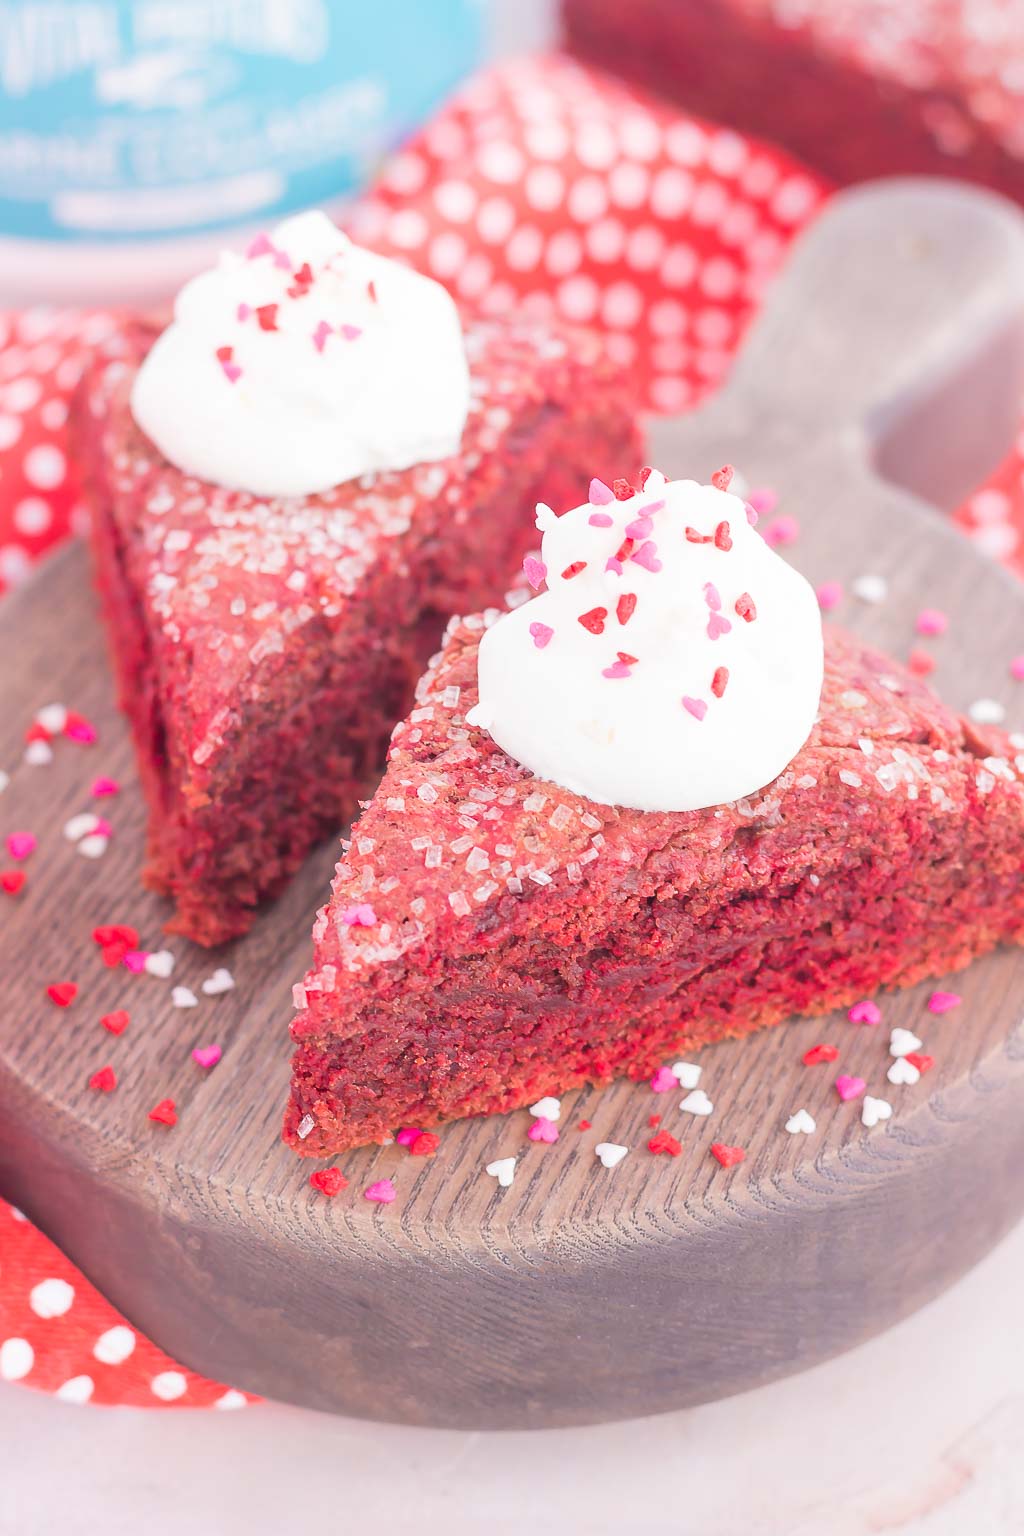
(351, 332)
(102, 828)
(103, 787)
(647, 556)
(664, 1080)
(80, 730)
(1016, 665)
(135, 960)
(20, 844)
(361, 915)
(865, 1012)
(932, 621)
(829, 595)
(261, 245)
(782, 530)
(232, 372)
(282, 259)
(602, 520)
(697, 707)
(942, 1002)
(599, 495)
(850, 1087)
(541, 634)
(711, 596)
(243, 311)
(383, 1192)
(612, 564)
(407, 1135)
(617, 669)
(652, 507)
(543, 1130)
(639, 528)
(534, 570)
(717, 625)
(751, 514)
(763, 500)
(320, 335)
(206, 1055)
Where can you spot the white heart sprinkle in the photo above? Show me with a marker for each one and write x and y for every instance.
(221, 981)
(870, 589)
(38, 754)
(697, 1103)
(686, 1073)
(52, 718)
(874, 1110)
(987, 712)
(902, 1042)
(903, 1073)
(159, 963)
(610, 1153)
(94, 846)
(504, 1170)
(182, 997)
(80, 826)
(51, 1298)
(801, 1123)
(547, 1109)
(114, 1346)
(78, 1390)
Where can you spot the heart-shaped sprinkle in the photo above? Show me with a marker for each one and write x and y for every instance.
(781, 530)
(599, 494)
(38, 754)
(865, 1012)
(717, 625)
(52, 718)
(625, 607)
(206, 1055)
(503, 1169)
(723, 537)
(719, 681)
(184, 997)
(381, 1193)
(801, 1124)
(617, 669)
(931, 621)
(116, 1022)
(745, 609)
(351, 332)
(535, 571)
(78, 728)
(722, 478)
(870, 589)
(726, 1155)
(160, 963)
(20, 844)
(543, 1130)
(664, 1080)
(407, 1135)
(94, 846)
(102, 788)
(329, 1181)
(647, 556)
(903, 1073)
(593, 620)
(221, 981)
(829, 595)
(134, 960)
(874, 1110)
(850, 1087)
(599, 520)
(104, 1081)
(902, 1042)
(547, 1109)
(696, 707)
(361, 915)
(610, 1153)
(639, 528)
(942, 1002)
(425, 1145)
(686, 1073)
(664, 1142)
(164, 1113)
(541, 634)
(12, 881)
(63, 993)
(922, 1063)
(696, 1103)
(820, 1053)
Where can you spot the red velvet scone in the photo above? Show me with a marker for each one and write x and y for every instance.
(264, 648)
(492, 937)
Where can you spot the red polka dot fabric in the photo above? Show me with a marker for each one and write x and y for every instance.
(544, 185)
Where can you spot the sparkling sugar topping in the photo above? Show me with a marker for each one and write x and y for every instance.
(673, 662)
(304, 363)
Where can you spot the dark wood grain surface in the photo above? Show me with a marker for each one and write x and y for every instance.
(894, 345)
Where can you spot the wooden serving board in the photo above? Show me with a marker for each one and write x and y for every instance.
(889, 362)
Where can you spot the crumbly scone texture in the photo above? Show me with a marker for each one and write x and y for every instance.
(265, 648)
(491, 937)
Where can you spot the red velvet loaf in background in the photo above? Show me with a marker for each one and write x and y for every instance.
(492, 938)
(264, 649)
(856, 88)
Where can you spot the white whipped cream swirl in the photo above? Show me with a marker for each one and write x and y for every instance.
(304, 363)
(673, 662)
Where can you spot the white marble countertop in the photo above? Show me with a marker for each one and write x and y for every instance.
(916, 1433)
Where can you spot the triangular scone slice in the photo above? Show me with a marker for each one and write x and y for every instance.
(492, 937)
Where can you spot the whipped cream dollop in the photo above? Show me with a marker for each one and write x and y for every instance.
(303, 363)
(673, 661)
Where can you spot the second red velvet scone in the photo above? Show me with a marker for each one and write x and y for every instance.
(265, 645)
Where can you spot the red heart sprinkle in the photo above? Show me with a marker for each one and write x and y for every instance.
(723, 538)
(622, 490)
(722, 478)
(920, 663)
(164, 1113)
(745, 608)
(921, 1062)
(644, 475)
(63, 993)
(594, 620)
(266, 314)
(224, 354)
(819, 1053)
(37, 732)
(693, 537)
(104, 1081)
(425, 1145)
(117, 1022)
(719, 681)
(329, 1181)
(663, 1142)
(625, 607)
(12, 880)
(584, 1125)
(117, 933)
(727, 1156)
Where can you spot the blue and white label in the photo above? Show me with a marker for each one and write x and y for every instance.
(122, 119)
